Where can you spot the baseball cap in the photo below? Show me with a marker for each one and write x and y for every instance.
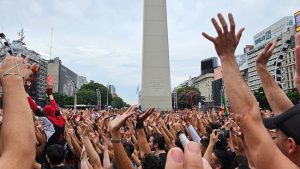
(287, 122)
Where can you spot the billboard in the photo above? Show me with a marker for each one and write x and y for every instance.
(297, 21)
(274, 30)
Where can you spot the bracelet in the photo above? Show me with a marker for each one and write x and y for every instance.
(9, 74)
(116, 140)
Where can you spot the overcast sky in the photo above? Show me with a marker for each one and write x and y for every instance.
(102, 39)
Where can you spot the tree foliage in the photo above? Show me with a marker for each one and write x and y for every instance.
(87, 94)
(294, 96)
(117, 102)
(188, 97)
(63, 100)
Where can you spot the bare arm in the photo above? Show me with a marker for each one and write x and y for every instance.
(91, 152)
(243, 102)
(277, 99)
(122, 160)
(212, 141)
(297, 57)
(17, 118)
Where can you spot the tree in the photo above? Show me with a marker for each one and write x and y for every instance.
(87, 94)
(188, 97)
(294, 96)
(261, 98)
(117, 102)
(63, 100)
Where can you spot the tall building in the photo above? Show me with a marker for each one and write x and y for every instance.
(81, 80)
(112, 90)
(204, 84)
(208, 65)
(156, 83)
(283, 32)
(39, 84)
(65, 80)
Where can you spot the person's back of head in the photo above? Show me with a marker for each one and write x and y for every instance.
(55, 154)
(129, 148)
(151, 161)
(224, 159)
(159, 140)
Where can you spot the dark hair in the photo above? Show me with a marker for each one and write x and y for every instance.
(240, 162)
(159, 140)
(179, 144)
(204, 141)
(56, 154)
(151, 161)
(129, 148)
(224, 159)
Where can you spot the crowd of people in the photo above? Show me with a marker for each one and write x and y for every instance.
(55, 138)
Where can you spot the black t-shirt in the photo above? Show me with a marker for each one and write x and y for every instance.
(163, 159)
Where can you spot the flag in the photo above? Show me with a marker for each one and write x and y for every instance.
(48, 127)
(224, 105)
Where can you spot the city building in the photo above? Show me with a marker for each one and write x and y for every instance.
(204, 84)
(112, 90)
(208, 65)
(81, 80)
(283, 32)
(65, 81)
(39, 82)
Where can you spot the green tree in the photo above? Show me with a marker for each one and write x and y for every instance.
(87, 97)
(188, 97)
(117, 102)
(87, 94)
(63, 100)
(294, 95)
(261, 98)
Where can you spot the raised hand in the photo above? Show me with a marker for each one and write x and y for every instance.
(226, 41)
(15, 66)
(144, 116)
(297, 53)
(116, 124)
(214, 136)
(264, 56)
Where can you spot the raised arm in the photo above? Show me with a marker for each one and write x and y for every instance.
(91, 152)
(17, 131)
(277, 99)
(297, 57)
(122, 160)
(142, 139)
(243, 102)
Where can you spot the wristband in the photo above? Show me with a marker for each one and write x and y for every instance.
(139, 125)
(116, 140)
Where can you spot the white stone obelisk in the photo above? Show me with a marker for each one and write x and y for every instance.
(156, 83)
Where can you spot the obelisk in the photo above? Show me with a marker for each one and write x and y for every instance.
(156, 83)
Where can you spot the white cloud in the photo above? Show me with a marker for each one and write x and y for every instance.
(103, 39)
